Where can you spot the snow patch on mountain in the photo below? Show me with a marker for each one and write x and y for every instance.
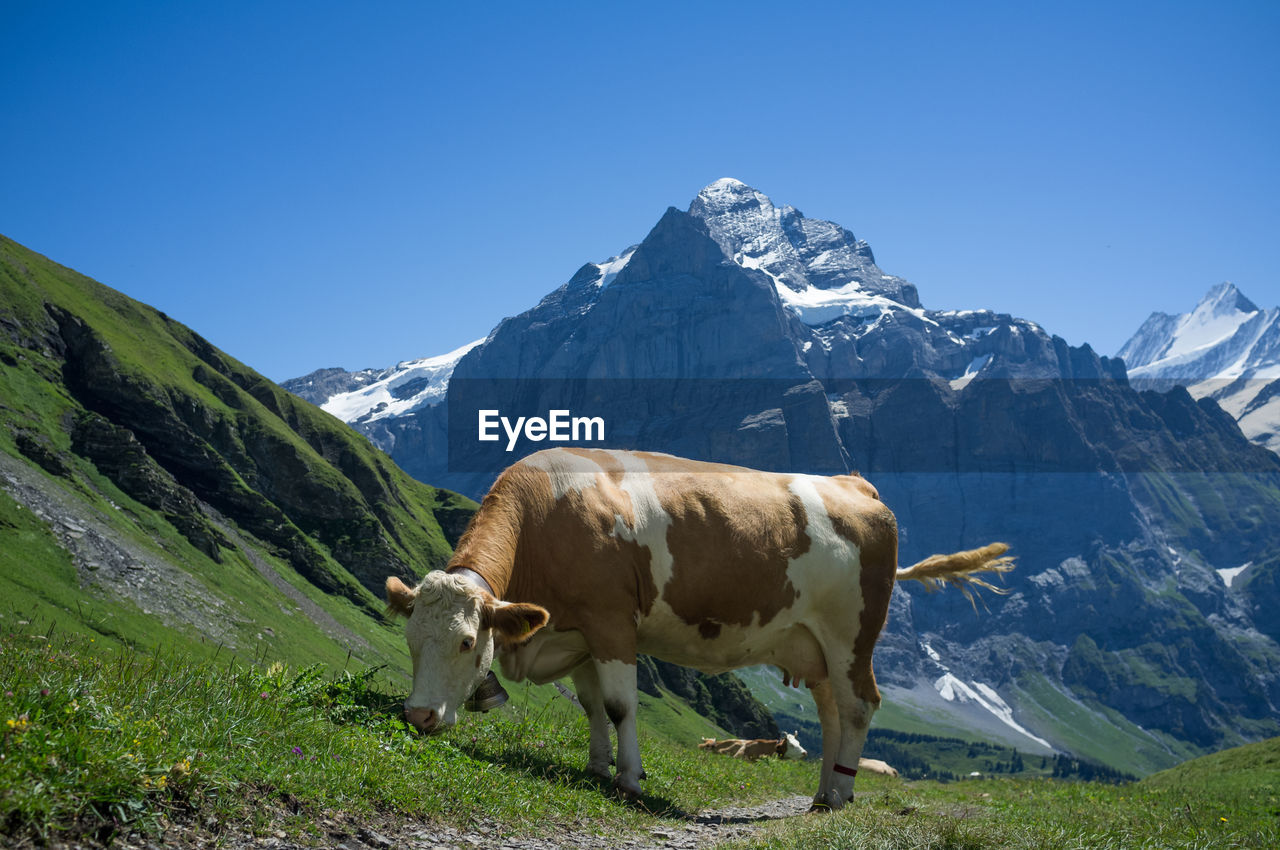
(953, 689)
(609, 268)
(1230, 574)
(409, 386)
(971, 371)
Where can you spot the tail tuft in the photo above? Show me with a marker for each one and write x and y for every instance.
(959, 568)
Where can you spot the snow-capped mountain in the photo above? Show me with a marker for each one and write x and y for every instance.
(369, 395)
(1226, 349)
(742, 331)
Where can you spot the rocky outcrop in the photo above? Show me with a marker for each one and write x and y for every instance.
(323, 384)
(119, 456)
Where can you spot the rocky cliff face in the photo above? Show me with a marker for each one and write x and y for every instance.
(744, 332)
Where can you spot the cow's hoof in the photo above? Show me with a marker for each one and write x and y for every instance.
(828, 802)
(627, 789)
(601, 772)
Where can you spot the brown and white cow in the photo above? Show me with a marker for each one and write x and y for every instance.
(580, 559)
(786, 747)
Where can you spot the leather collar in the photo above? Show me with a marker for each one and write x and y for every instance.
(473, 577)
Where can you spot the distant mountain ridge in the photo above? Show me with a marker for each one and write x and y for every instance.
(1226, 348)
(742, 331)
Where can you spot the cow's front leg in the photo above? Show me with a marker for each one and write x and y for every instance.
(587, 684)
(621, 701)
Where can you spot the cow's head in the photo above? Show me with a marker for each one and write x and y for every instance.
(453, 630)
(791, 748)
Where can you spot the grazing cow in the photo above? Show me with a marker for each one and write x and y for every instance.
(580, 559)
(786, 747)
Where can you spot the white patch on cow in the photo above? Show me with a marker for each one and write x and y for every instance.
(618, 689)
(832, 566)
(818, 523)
(568, 472)
(652, 519)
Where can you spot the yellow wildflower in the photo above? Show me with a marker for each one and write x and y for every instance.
(18, 724)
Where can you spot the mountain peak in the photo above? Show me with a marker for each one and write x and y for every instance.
(725, 185)
(726, 196)
(798, 253)
(1224, 300)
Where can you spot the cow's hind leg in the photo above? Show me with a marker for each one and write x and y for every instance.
(621, 702)
(856, 697)
(587, 683)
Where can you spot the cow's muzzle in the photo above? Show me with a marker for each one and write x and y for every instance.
(489, 695)
(425, 720)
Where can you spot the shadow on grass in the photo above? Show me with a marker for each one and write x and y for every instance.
(548, 768)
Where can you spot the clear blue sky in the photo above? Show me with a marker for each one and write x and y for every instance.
(352, 184)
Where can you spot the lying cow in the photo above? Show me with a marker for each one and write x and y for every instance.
(786, 747)
(579, 559)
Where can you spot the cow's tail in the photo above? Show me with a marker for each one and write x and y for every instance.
(960, 569)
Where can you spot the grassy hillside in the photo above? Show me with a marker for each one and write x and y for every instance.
(97, 386)
(1253, 769)
(153, 491)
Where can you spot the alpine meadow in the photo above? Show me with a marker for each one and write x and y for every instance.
(666, 427)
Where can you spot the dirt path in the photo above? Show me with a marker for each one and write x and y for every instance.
(703, 830)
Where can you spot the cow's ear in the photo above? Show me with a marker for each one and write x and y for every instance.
(400, 597)
(514, 622)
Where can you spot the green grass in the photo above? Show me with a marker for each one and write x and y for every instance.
(97, 741)
(1034, 813)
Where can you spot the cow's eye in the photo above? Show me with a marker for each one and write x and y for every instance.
(468, 644)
